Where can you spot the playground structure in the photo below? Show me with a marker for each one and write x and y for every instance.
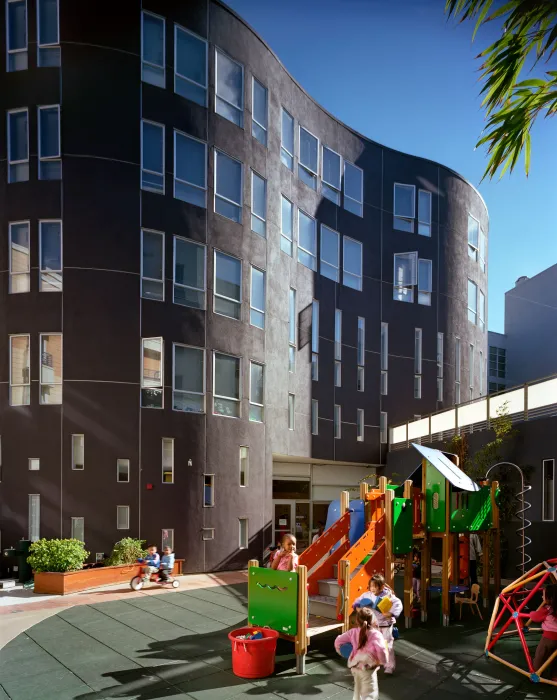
(438, 502)
(509, 615)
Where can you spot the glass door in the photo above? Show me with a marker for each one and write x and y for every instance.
(282, 519)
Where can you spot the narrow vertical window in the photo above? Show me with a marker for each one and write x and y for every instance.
(190, 263)
(122, 471)
(244, 465)
(338, 374)
(314, 367)
(307, 240)
(34, 517)
(338, 334)
(481, 373)
(472, 302)
(168, 460)
(424, 213)
(228, 187)
(51, 369)
(352, 263)
(152, 265)
(18, 145)
(152, 376)
(287, 226)
(226, 386)
(256, 392)
(424, 282)
(292, 330)
(243, 533)
(404, 207)
(330, 175)
(208, 490)
(361, 341)
(330, 253)
(287, 139)
(152, 157)
(20, 261)
(50, 154)
(34, 464)
(360, 425)
(228, 286)
(20, 370)
(50, 256)
(78, 529)
(122, 517)
(78, 452)
(190, 169)
(471, 370)
(481, 311)
(167, 538)
(48, 33)
(229, 93)
(360, 380)
(337, 422)
(405, 276)
(417, 386)
(291, 411)
(153, 49)
(457, 370)
(190, 65)
(16, 35)
(417, 351)
(384, 346)
(258, 204)
(383, 428)
(314, 417)
(483, 251)
(353, 189)
(440, 352)
(308, 166)
(259, 112)
(188, 379)
(257, 298)
(315, 326)
(473, 237)
(548, 490)
(384, 383)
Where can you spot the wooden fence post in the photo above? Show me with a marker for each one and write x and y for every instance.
(301, 631)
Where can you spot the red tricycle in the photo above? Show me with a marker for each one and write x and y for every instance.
(141, 578)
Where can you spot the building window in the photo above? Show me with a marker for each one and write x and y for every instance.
(122, 471)
(360, 380)
(152, 265)
(307, 240)
(497, 362)
(338, 374)
(258, 204)
(424, 213)
(405, 276)
(226, 400)
(188, 380)
(257, 300)
(314, 367)
(153, 49)
(228, 286)
(259, 112)
(360, 425)
(18, 145)
(243, 533)
(383, 428)
(424, 282)
(228, 187)
(417, 350)
(481, 311)
(353, 189)
(189, 273)
(308, 167)
(417, 386)
(20, 261)
(440, 340)
(50, 162)
(291, 411)
(292, 330)
(190, 169)
(483, 251)
(494, 387)
(457, 370)
(34, 464)
(229, 97)
(361, 341)
(352, 263)
(256, 392)
(78, 452)
(167, 538)
(152, 375)
(330, 180)
(122, 517)
(78, 529)
(208, 533)
(338, 334)
(481, 357)
(168, 460)
(315, 326)
(152, 157)
(287, 139)
(439, 389)
(330, 253)
(20, 370)
(51, 369)
(34, 517)
(548, 490)
(287, 226)
(244, 465)
(208, 490)
(384, 346)
(473, 237)
(48, 34)
(337, 422)
(472, 302)
(16, 35)
(314, 417)
(50, 256)
(384, 383)
(190, 66)
(471, 370)
(404, 207)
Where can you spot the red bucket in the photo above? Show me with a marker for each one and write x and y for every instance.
(253, 658)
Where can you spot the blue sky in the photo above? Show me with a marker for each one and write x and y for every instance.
(396, 71)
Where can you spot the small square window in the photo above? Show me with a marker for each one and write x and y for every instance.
(208, 533)
(34, 464)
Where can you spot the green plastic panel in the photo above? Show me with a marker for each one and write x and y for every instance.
(472, 512)
(399, 490)
(402, 525)
(435, 500)
(273, 599)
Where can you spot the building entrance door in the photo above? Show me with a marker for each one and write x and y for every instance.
(292, 517)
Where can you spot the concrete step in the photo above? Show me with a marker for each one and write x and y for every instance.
(323, 606)
(329, 587)
(8, 583)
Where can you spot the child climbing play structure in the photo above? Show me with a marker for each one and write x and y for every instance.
(437, 502)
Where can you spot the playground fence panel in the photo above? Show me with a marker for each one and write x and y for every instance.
(273, 599)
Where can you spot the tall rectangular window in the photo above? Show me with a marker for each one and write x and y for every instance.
(78, 452)
(404, 207)
(257, 300)
(244, 465)
(78, 529)
(286, 226)
(50, 256)
(292, 330)
(471, 370)
(330, 176)
(229, 93)
(259, 112)
(548, 490)
(308, 167)
(152, 157)
(338, 334)
(48, 33)
(472, 302)
(361, 341)
(457, 370)
(287, 139)
(256, 392)
(314, 417)
(152, 375)
(384, 346)
(50, 154)
(208, 490)
(18, 145)
(315, 326)
(258, 204)
(153, 49)
(360, 379)
(228, 187)
(473, 237)
(190, 264)
(440, 352)
(20, 370)
(122, 471)
(190, 169)
(417, 386)
(228, 286)
(384, 383)
(152, 265)
(481, 370)
(291, 411)
(314, 367)
(352, 263)
(338, 373)
(417, 351)
(424, 213)
(424, 282)
(167, 538)
(405, 276)
(188, 379)
(360, 425)
(330, 253)
(383, 429)
(190, 65)
(34, 517)
(20, 260)
(353, 189)
(16, 35)
(226, 385)
(51, 369)
(168, 460)
(483, 250)
(481, 311)
(122, 517)
(337, 422)
(307, 240)
(243, 533)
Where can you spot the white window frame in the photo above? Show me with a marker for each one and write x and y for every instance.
(170, 469)
(399, 217)
(241, 544)
(282, 146)
(473, 248)
(210, 502)
(127, 513)
(458, 368)
(338, 334)
(184, 391)
(123, 460)
(360, 425)
(11, 52)
(345, 272)
(292, 330)
(208, 534)
(287, 247)
(263, 220)
(153, 172)
(186, 286)
(74, 521)
(410, 287)
(24, 384)
(471, 373)
(177, 28)
(23, 160)
(245, 472)
(424, 227)
(216, 195)
(175, 179)
(237, 400)
(51, 272)
(254, 120)
(325, 185)
(383, 428)
(359, 204)
(251, 401)
(309, 171)
(150, 279)
(337, 421)
(221, 296)
(75, 466)
(481, 372)
(291, 411)
(251, 305)
(160, 386)
(481, 309)
(329, 265)
(51, 45)
(239, 109)
(58, 156)
(424, 295)
(483, 250)
(544, 518)
(418, 335)
(470, 310)
(314, 417)
(60, 382)
(27, 273)
(313, 256)
(154, 65)
(34, 498)
(31, 462)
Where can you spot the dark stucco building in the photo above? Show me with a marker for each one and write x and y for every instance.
(214, 295)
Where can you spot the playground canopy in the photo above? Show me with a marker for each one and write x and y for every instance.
(439, 460)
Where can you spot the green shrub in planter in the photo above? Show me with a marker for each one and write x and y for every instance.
(57, 555)
(126, 551)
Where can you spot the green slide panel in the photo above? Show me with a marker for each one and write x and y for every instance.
(402, 525)
(474, 512)
(435, 499)
(273, 599)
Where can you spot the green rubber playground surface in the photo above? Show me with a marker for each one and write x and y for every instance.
(175, 646)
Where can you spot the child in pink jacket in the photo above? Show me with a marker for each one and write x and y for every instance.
(547, 615)
(369, 651)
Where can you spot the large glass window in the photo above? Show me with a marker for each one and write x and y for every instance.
(50, 163)
(497, 362)
(338, 334)
(226, 390)
(78, 452)
(548, 490)
(330, 253)
(481, 311)
(188, 379)
(50, 255)
(353, 189)
(330, 185)
(152, 157)
(152, 265)
(51, 369)
(20, 370)
(352, 263)
(404, 207)
(256, 391)
(19, 263)
(228, 187)
(473, 237)
(472, 302)
(189, 273)
(307, 240)
(152, 375)
(16, 35)
(287, 226)
(190, 65)
(18, 145)
(153, 49)
(228, 286)
(287, 139)
(405, 276)
(190, 169)
(259, 112)
(292, 330)
(424, 213)
(308, 167)
(48, 33)
(229, 98)
(258, 204)
(424, 282)
(257, 300)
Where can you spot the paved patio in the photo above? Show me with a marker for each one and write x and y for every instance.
(174, 645)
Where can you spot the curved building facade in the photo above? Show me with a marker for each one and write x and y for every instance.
(207, 278)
